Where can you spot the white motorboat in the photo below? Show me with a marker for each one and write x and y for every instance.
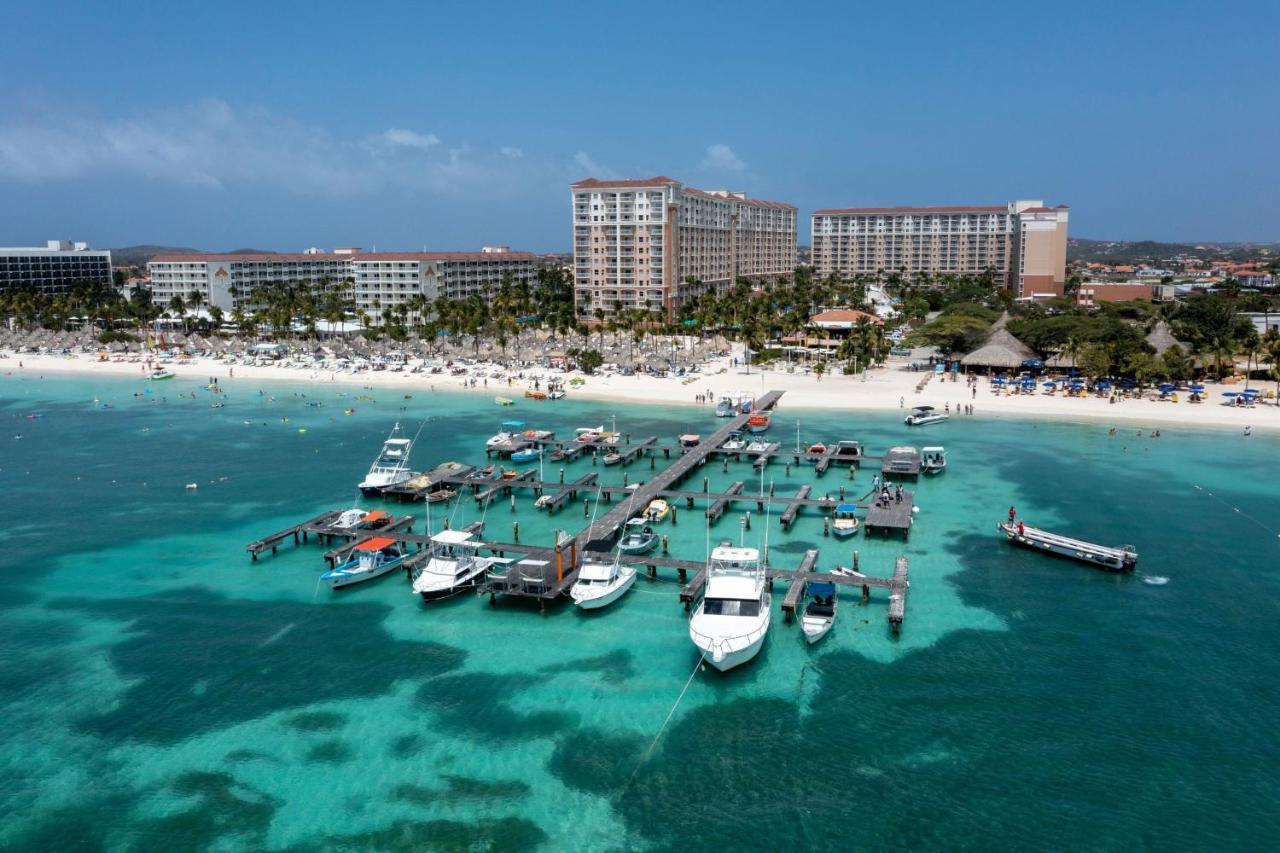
(507, 433)
(362, 519)
(454, 565)
(923, 415)
(588, 435)
(731, 621)
(933, 460)
(757, 446)
(600, 584)
(160, 373)
(726, 407)
(392, 465)
(734, 442)
(820, 613)
(844, 520)
(369, 560)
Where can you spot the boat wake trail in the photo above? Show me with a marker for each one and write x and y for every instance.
(1155, 580)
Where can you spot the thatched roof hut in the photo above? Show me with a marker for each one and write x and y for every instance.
(1161, 338)
(1002, 349)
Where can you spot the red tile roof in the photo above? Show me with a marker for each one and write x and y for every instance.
(756, 202)
(845, 315)
(1037, 210)
(915, 211)
(591, 183)
(201, 258)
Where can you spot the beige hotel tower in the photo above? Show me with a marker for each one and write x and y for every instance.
(653, 243)
(1023, 243)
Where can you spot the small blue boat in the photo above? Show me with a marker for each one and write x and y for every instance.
(529, 454)
(369, 560)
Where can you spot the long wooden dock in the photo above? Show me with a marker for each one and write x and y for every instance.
(891, 516)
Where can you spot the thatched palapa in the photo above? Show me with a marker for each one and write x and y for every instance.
(1002, 349)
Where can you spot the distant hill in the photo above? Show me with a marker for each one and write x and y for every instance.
(1129, 251)
(137, 256)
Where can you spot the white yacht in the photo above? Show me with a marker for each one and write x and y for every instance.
(392, 465)
(933, 459)
(509, 432)
(452, 567)
(923, 415)
(600, 584)
(732, 619)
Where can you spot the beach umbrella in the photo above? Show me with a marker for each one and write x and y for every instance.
(1166, 387)
(1249, 392)
(1050, 384)
(1231, 393)
(1197, 389)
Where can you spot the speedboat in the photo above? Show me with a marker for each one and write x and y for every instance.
(481, 474)
(504, 401)
(758, 422)
(657, 510)
(588, 435)
(369, 560)
(731, 621)
(392, 465)
(509, 431)
(613, 457)
(726, 407)
(355, 519)
(844, 520)
(638, 538)
(529, 454)
(848, 451)
(690, 439)
(160, 373)
(933, 460)
(454, 565)
(815, 452)
(923, 415)
(757, 446)
(734, 442)
(600, 584)
(820, 613)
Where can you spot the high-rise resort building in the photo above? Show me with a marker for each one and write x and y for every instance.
(653, 243)
(1023, 243)
(54, 268)
(375, 280)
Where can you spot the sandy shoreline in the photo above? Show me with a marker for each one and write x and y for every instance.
(885, 389)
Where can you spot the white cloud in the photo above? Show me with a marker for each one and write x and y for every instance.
(722, 157)
(510, 151)
(410, 138)
(591, 167)
(213, 145)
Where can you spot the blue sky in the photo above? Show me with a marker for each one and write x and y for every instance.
(404, 125)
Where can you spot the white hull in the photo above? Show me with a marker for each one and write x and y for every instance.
(433, 586)
(924, 421)
(727, 661)
(352, 578)
(843, 532)
(815, 628)
(595, 597)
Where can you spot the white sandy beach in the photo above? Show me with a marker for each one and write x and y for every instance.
(889, 388)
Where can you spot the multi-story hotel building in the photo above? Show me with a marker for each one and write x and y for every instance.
(654, 243)
(55, 268)
(375, 280)
(1023, 243)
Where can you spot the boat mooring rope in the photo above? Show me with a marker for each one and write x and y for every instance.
(1237, 510)
(648, 752)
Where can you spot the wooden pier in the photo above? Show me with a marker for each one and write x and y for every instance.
(544, 574)
(891, 516)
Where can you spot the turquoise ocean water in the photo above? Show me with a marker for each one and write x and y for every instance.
(161, 691)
